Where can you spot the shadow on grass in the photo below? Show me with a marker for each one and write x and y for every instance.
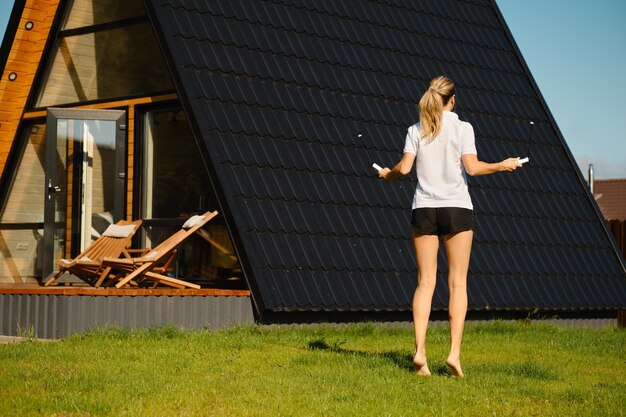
(528, 369)
(401, 360)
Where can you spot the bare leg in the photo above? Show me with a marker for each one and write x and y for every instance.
(426, 248)
(458, 249)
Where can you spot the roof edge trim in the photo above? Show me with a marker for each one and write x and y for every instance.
(225, 209)
(590, 198)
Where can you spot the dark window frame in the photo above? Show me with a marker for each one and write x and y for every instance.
(101, 27)
(138, 164)
(53, 43)
(10, 171)
(120, 117)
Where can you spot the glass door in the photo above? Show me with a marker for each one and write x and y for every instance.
(85, 179)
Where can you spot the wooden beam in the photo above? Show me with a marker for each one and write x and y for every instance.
(23, 60)
(38, 114)
(131, 292)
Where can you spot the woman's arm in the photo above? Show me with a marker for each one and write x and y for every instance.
(474, 167)
(401, 169)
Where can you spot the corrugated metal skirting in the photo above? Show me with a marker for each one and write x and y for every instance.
(57, 316)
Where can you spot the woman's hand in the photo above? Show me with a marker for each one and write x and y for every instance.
(474, 167)
(401, 169)
(510, 164)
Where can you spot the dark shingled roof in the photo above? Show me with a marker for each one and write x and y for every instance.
(276, 92)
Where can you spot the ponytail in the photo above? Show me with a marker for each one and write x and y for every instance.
(439, 93)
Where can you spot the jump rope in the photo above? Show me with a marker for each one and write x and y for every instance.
(520, 161)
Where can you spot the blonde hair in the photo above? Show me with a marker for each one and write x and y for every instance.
(439, 93)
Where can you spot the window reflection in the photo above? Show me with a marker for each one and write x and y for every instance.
(175, 186)
(175, 181)
(93, 12)
(106, 64)
(206, 262)
(21, 249)
(25, 199)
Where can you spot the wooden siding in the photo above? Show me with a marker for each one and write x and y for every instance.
(73, 73)
(23, 59)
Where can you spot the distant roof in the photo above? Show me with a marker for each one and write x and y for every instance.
(277, 93)
(611, 197)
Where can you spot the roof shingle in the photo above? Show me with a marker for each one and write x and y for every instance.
(277, 92)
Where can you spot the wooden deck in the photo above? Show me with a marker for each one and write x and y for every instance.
(34, 289)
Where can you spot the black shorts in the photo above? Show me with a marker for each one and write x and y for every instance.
(441, 220)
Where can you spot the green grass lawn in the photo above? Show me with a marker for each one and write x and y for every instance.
(353, 370)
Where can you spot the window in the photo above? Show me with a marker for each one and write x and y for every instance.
(22, 217)
(24, 203)
(175, 182)
(94, 12)
(175, 186)
(117, 58)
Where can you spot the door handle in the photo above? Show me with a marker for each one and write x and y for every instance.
(53, 189)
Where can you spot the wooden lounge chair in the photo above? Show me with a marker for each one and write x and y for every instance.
(153, 264)
(88, 265)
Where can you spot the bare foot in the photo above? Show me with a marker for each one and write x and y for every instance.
(455, 367)
(420, 365)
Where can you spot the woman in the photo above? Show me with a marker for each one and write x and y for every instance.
(443, 150)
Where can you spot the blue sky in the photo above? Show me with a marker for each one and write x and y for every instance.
(576, 51)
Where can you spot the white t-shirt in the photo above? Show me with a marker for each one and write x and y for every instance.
(442, 181)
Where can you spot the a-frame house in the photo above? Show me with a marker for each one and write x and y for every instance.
(272, 112)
